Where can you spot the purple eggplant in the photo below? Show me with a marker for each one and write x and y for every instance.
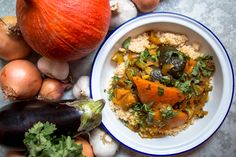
(70, 116)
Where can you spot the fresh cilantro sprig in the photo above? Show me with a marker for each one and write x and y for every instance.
(146, 109)
(41, 141)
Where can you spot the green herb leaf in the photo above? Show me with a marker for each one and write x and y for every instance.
(142, 107)
(110, 94)
(165, 80)
(184, 87)
(144, 55)
(126, 43)
(128, 82)
(154, 58)
(148, 87)
(168, 112)
(127, 63)
(115, 78)
(195, 70)
(160, 91)
(206, 65)
(158, 53)
(150, 117)
(132, 72)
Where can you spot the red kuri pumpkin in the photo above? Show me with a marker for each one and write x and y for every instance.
(63, 30)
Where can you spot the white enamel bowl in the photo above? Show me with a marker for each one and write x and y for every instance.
(217, 106)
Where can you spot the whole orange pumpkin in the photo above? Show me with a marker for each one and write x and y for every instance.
(63, 30)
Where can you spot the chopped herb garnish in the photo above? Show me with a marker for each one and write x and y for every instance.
(115, 78)
(126, 43)
(165, 80)
(127, 63)
(183, 77)
(144, 54)
(148, 87)
(206, 65)
(168, 113)
(104, 90)
(142, 107)
(150, 117)
(132, 72)
(138, 107)
(158, 53)
(128, 82)
(195, 70)
(196, 80)
(110, 94)
(184, 87)
(154, 58)
(160, 91)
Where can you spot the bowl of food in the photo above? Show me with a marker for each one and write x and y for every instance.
(167, 81)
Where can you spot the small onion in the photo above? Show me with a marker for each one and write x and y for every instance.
(53, 69)
(20, 79)
(52, 90)
(12, 45)
(146, 5)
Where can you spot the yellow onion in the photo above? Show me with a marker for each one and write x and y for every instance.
(12, 44)
(146, 5)
(52, 90)
(20, 79)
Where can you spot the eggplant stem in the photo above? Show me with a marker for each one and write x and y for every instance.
(92, 113)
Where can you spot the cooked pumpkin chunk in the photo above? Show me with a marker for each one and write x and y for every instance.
(179, 119)
(155, 92)
(189, 66)
(124, 98)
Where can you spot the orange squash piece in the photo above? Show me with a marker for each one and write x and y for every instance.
(149, 92)
(189, 66)
(179, 119)
(124, 98)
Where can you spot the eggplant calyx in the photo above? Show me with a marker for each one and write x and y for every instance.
(92, 113)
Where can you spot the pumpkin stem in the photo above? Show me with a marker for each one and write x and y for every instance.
(27, 2)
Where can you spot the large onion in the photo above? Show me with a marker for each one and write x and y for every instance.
(12, 45)
(63, 29)
(20, 79)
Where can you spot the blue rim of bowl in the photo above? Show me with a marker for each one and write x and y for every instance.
(195, 21)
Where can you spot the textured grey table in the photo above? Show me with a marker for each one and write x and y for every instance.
(217, 15)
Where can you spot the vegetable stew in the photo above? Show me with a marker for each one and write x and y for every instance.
(161, 88)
